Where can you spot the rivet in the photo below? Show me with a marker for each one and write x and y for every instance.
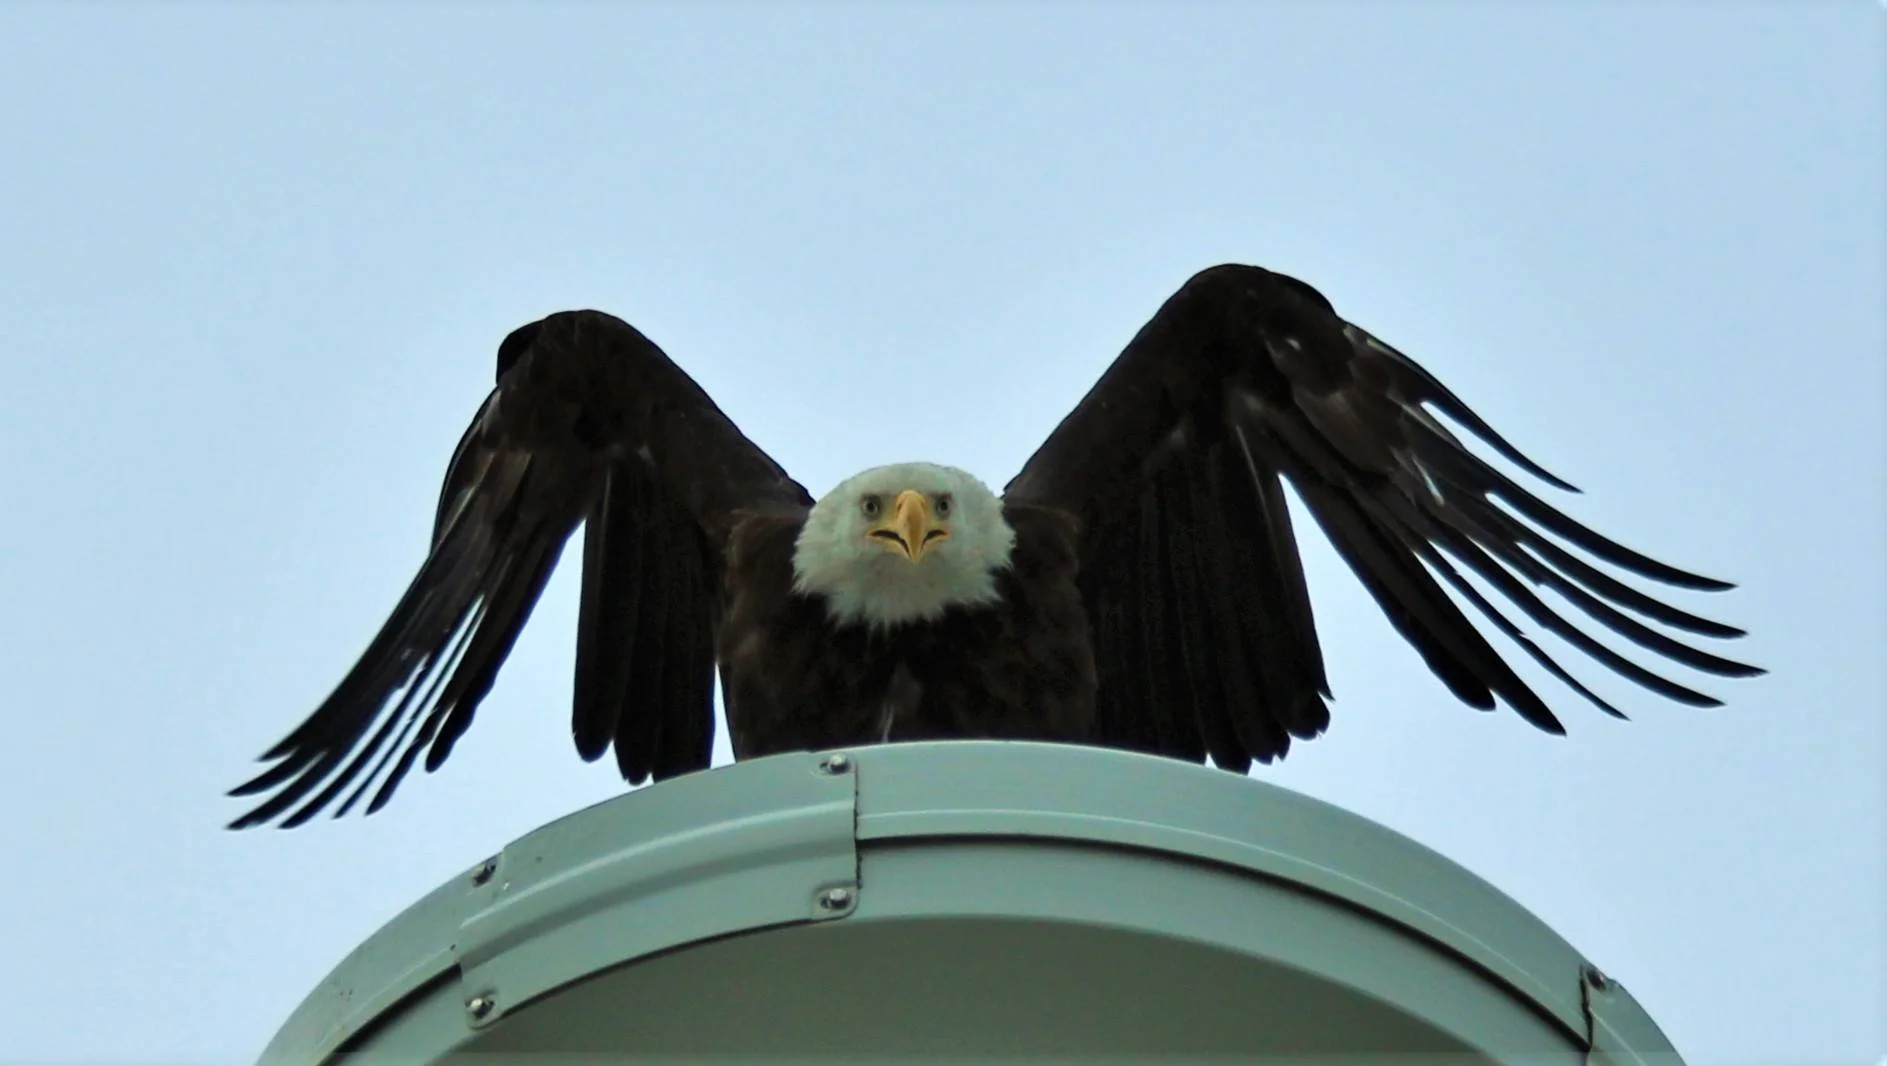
(835, 899)
(484, 871)
(1597, 979)
(836, 763)
(480, 1006)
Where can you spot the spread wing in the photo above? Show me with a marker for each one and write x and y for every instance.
(589, 423)
(1175, 463)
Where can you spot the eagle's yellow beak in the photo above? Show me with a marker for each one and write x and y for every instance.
(911, 528)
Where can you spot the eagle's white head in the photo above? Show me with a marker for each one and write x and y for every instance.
(903, 543)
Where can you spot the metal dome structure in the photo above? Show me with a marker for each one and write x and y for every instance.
(936, 901)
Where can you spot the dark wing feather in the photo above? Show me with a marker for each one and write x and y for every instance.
(1195, 680)
(589, 422)
(1175, 464)
(686, 742)
(607, 614)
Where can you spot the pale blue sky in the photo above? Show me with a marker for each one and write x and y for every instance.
(254, 265)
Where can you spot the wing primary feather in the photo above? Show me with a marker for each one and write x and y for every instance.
(1285, 662)
(686, 740)
(456, 705)
(1175, 725)
(1148, 689)
(1469, 533)
(379, 670)
(431, 721)
(309, 766)
(438, 601)
(1120, 721)
(502, 613)
(1275, 514)
(1521, 596)
(472, 679)
(1421, 611)
(433, 611)
(460, 484)
(1111, 726)
(1600, 582)
(1247, 705)
(1195, 679)
(679, 680)
(1116, 722)
(1468, 473)
(607, 615)
(1513, 633)
(1127, 672)
(405, 715)
(643, 704)
(1131, 673)
(1423, 387)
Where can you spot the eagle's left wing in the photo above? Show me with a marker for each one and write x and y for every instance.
(1204, 635)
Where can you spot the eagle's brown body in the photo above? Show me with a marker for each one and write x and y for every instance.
(793, 679)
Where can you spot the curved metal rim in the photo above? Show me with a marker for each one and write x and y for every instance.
(912, 792)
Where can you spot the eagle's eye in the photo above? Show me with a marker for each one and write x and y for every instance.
(943, 505)
(871, 505)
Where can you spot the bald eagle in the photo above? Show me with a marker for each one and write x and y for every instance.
(1137, 585)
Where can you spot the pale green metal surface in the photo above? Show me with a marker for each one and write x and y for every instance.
(1110, 797)
(706, 855)
(678, 865)
(989, 988)
(990, 897)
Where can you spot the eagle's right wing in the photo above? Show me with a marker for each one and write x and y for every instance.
(590, 422)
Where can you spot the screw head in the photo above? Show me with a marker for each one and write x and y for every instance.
(836, 763)
(836, 898)
(484, 871)
(480, 1006)
(1596, 978)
